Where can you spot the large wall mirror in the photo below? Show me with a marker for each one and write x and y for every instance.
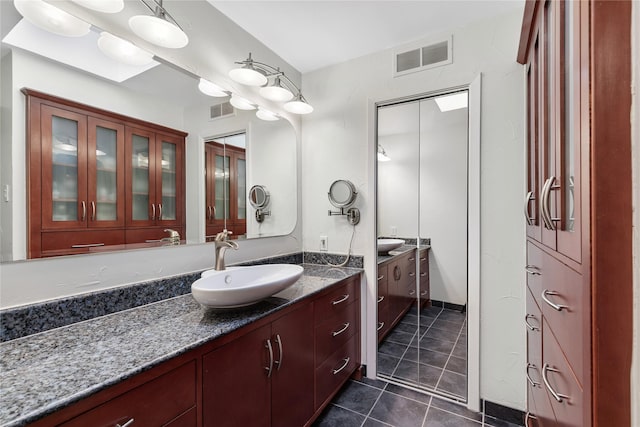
(159, 93)
(422, 203)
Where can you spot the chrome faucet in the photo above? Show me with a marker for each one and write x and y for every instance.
(173, 239)
(223, 243)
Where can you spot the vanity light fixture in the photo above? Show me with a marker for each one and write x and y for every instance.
(122, 50)
(211, 89)
(254, 73)
(382, 155)
(267, 115)
(105, 6)
(452, 102)
(52, 19)
(160, 29)
(241, 103)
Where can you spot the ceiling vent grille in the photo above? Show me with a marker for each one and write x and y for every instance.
(219, 111)
(419, 57)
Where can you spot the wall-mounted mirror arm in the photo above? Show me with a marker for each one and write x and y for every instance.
(342, 194)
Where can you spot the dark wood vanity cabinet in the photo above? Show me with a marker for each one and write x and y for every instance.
(90, 183)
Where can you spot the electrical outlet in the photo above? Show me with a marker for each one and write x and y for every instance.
(324, 244)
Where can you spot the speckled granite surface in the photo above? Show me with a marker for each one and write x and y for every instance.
(45, 372)
(324, 258)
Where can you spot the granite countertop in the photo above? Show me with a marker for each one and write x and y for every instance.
(399, 251)
(42, 373)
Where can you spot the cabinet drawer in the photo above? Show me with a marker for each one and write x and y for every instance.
(336, 370)
(334, 332)
(156, 403)
(338, 298)
(384, 322)
(187, 419)
(82, 240)
(534, 271)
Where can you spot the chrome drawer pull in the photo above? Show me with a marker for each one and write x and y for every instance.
(423, 274)
(343, 299)
(380, 325)
(412, 292)
(127, 424)
(526, 207)
(532, 382)
(532, 269)
(558, 307)
(380, 278)
(423, 293)
(412, 274)
(88, 245)
(529, 325)
(412, 259)
(279, 361)
(336, 333)
(528, 417)
(380, 299)
(557, 396)
(346, 362)
(269, 368)
(423, 259)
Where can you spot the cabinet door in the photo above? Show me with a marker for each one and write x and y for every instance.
(140, 178)
(169, 183)
(213, 225)
(292, 380)
(64, 168)
(531, 206)
(238, 191)
(105, 174)
(235, 384)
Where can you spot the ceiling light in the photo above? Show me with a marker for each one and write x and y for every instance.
(247, 74)
(452, 102)
(298, 106)
(122, 50)
(105, 6)
(158, 29)
(241, 103)
(382, 155)
(52, 19)
(276, 92)
(267, 115)
(211, 89)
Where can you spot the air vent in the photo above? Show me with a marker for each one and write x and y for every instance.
(420, 56)
(224, 109)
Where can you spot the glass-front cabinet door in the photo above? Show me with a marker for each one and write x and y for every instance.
(169, 154)
(142, 208)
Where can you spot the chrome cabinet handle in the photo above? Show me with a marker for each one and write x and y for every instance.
(528, 199)
(93, 211)
(84, 210)
(279, 361)
(269, 368)
(543, 198)
(380, 325)
(127, 424)
(412, 274)
(423, 259)
(558, 307)
(153, 211)
(528, 417)
(380, 278)
(557, 396)
(412, 292)
(423, 274)
(545, 203)
(423, 293)
(346, 362)
(412, 259)
(532, 382)
(336, 333)
(343, 299)
(159, 211)
(88, 245)
(529, 325)
(380, 299)
(532, 269)
(209, 212)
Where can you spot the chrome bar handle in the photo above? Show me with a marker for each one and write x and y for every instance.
(528, 417)
(532, 269)
(380, 299)
(412, 259)
(93, 210)
(424, 293)
(84, 210)
(542, 207)
(344, 365)
(545, 204)
(269, 368)
(380, 278)
(380, 325)
(423, 274)
(279, 361)
(527, 199)
(127, 424)
(412, 274)
(557, 307)
(336, 333)
(557, 396)
(423, 259)
(412, 292)
(153, 211)
(532, 382)
(88, 245)
(529, 325)
(210, 212)
(159, 211)
(343, 299)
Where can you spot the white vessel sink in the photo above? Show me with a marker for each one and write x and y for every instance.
(386, 245)
(242, 286)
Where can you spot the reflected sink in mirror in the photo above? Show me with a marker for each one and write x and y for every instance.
(386, 245)
(242, 286)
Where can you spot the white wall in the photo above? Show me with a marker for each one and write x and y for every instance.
(335, 145)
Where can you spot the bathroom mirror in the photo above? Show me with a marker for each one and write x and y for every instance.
(160, 94)
(342, 193)
(259, 197)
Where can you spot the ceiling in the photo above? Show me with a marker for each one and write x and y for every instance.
(311, 35)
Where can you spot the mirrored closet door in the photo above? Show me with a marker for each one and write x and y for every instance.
(422, 242)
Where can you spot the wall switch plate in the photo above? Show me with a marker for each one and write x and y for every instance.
(324, 244)
(5, 193)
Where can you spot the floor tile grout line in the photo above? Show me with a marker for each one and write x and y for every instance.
(374, 405)
(424, 419)
(450, 354)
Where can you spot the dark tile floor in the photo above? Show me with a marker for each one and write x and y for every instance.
(376, 403)
(428, 350)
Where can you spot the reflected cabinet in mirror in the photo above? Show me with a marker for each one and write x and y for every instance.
(422, 243)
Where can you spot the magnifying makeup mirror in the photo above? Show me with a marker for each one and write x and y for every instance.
(343, 194)
(259, 198)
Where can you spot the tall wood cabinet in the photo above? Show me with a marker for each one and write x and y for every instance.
(98, 179)
(577, 208)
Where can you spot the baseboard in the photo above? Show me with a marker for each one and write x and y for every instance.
(450, 306)
(503, 413)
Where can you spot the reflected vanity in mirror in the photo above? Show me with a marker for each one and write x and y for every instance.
(422, 211)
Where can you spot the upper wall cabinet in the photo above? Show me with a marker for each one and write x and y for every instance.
(97, 179)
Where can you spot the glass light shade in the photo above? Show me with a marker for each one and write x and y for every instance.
(267, 115)
(211, 89)
(241, 103)
(248, 76)
(158, 31)
(105, 6)
(52, 19)
(276, 93)
(452, 102)
(298, 107)
(122, 50)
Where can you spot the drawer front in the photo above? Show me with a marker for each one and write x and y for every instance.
(336, 369)
(155, 403)
(534, 271)
(332, 303)
(334, 332)
(84, 241)
(188, 419)
(383, 287)
(384, 323)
